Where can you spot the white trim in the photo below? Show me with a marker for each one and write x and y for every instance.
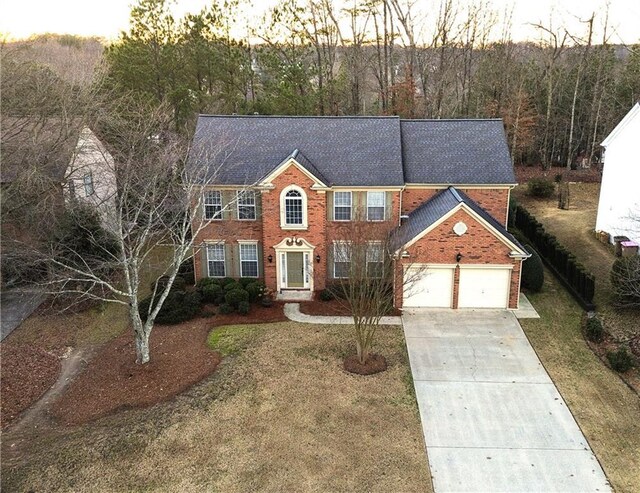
(344, 206)
(635, 110)
(283, 166)
(238, 205)
(361, 188)
(216, 216)
(333, 267)
(209, 244)
(294, 244)
(283, 212)
(384, 206)
(257, 260)
(486, 266)
(459, 185)
(475, 216)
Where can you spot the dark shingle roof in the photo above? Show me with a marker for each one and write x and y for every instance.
(436, 207)
(457, 152)
(358, 151)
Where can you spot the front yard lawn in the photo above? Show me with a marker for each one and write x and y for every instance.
(605, 408)
(279, 414)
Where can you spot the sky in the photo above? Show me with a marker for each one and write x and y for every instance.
(107, 18)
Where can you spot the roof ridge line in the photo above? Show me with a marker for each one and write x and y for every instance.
(327, 117)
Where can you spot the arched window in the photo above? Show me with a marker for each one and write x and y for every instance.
(293, 203)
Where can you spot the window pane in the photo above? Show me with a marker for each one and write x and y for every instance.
(212, 204)
(88, 184)
(375, 213)
(375, 199)
(248, 252)
(246, 204)
(342, 206)
(374, 253)
(342, 198)
(341, 252)
(216, 269)
(341, 269)
(249, 269)
(215, 252)
(293, 210)
(342, 214)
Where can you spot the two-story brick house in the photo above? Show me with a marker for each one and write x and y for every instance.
(287, 189)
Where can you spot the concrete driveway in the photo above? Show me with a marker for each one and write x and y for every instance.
(15, 306)
(492, 418)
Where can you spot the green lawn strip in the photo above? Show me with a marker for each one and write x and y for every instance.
(607, 411)
(229, 340)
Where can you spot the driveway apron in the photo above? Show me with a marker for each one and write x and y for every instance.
(493, 420)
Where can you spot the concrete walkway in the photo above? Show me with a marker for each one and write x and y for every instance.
(292, 312)
(15, 306)
(493, 420)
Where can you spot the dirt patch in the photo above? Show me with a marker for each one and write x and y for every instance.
(27, 373)
(331, 308)
(280, 415)
(179, 358)
(375, 363)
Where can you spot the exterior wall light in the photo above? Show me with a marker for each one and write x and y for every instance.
(270, 258)
(318, 258)
(458, 257)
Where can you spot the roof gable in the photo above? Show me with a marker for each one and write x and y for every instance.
(633, 113)
(443, 205)
(298, 160)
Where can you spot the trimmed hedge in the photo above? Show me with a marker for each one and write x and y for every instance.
(580, 282)
(532, 271)
(179, 306)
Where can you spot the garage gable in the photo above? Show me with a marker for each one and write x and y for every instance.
(450, 216)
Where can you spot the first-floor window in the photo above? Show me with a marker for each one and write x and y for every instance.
(375, 206)
(341, 259)
(88, 184)
(248, 260)
(215, 260)
(374, 260)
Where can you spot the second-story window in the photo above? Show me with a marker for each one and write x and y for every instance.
(213, 204)
(88, 184)
(342, 206)
(375, 206)
(246, 205)
(293, 207)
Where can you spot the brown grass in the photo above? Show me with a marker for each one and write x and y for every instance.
(574, 228)
(280, 415)
(605, 408)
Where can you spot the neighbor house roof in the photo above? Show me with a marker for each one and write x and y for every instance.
(358, 151)
(435, 208)
(456, 152)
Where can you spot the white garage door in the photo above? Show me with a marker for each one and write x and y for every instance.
(430, 287)
(484, 288)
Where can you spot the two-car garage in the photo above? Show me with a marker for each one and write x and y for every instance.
(478, 286)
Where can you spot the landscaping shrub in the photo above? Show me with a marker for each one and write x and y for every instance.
(206, 281)
(225, 309)
(236, 296)
(178, 307)
(187, 273)
(211, 293)
(558, 178)
(532, 271)
(230, 286)
(593, 330)
(255, 290)
(541, 188)
(620, 360)
(245, 281)
(244, 307)
(625, 281)
(179, 284)
(326, 295)
(227, 280)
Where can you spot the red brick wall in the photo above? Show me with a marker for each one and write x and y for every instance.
(494, 200)
(477, 246)
(272, 234)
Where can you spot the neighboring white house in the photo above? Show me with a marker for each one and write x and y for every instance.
(619, 204)
(91, 176)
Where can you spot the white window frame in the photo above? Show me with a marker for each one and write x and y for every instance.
(87, 181)
(377, 245)
(257, 259)
(243, 194)
(283, 211)
(223, 260)
(336, 246)
(217, 216)
(335, 205)
(384, 205)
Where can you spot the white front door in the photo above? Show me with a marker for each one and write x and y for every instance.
(482, 287)
(430, 287)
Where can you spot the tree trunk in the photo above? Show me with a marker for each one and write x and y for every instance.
(141, 335)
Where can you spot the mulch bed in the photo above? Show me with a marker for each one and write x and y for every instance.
(330, 308)
(179, 358)
(27, 373)
(375, 363)
(525, 173)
